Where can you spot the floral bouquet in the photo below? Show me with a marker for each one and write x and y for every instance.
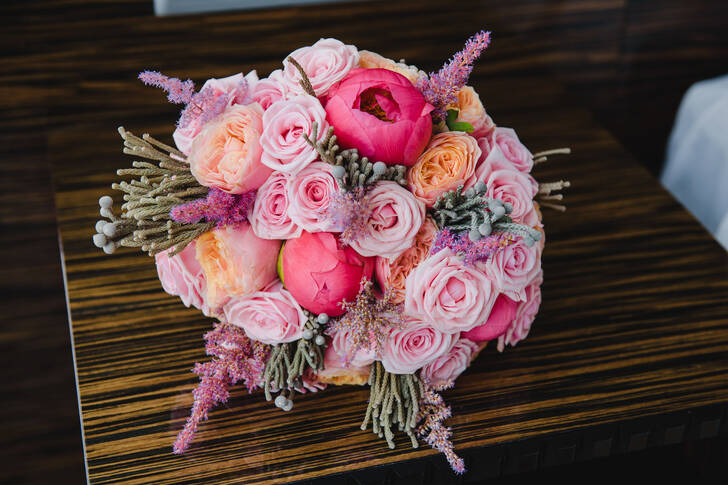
(347, 220)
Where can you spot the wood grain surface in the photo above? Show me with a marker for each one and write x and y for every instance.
(634, 321)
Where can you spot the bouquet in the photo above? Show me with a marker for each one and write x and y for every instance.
(348, 219)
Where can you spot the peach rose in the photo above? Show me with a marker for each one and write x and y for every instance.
(396, 217)
(392, 275)
(413, 346)
(448, 161)
(226, 154)
(442, 372)
(236, 262)
(372, 60)
(271, 316)
(449, 295)
(471, 110)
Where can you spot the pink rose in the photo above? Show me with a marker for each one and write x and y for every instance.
(442, 372)
(392, 274)
(343, 350)
(515, 188)
(182, 275)
(513, 149)
(236, 262)
(325, 63)
(396, 217)
(336, 371)
(226, 154)
(449, 295)
(413, 346)
(309, 195)
(183, 136)
(381, 114)
(271, 316)
(269, 90)
(490, 160)
(501, 316)
(525, 315)
(512, 267)
(270, 218)
(320, 273)
(285, 122)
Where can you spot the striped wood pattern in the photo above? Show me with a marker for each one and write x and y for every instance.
(634, 319)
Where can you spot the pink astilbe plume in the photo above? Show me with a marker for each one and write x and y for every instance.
(471, 251)
(432, 413)
(219, 207)
(178, 91)
(368, 319)
(209, 102)
(441, 88)
(236, 358)
(348, 213)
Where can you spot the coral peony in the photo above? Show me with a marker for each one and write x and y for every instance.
(392, 274)
(226, 154)
(320, 273)
(448, 161)
(380, 113)
(395, 218)
(501, 316)
(236, 262)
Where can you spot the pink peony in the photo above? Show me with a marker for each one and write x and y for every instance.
(512, 267)
(442, 372)
(396, 217)
(449, 295)
(226, 154)
(309, 196)
(513, 187)
(508, 142)
(525, 315)
(182, 275)
(269, 218)
(501, 316)
(236, 262)
(271, 316)
(325, 63)
(392, 274)
(269, 90)
(413, 346)
(320, 273)
(380, 113)
(285, 122)
(184, 135)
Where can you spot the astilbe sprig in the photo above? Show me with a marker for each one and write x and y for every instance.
(178, 91)
(441, 88)
(348, 213)
(219, 207)
(368, 319)
(471, 251)
(432, 413)
(235, 358)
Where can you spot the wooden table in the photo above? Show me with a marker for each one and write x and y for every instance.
(629, 350)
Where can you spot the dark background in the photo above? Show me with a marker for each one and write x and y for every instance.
(627, 61)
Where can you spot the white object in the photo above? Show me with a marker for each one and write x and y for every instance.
(175, 7)
(696, 168)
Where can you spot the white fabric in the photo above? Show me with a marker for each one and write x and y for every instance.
(696, 169)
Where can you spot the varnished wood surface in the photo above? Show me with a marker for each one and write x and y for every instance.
(68, 80)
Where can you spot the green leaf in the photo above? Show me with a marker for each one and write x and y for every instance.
(452, 115)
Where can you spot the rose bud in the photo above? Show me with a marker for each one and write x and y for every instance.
(320, 273)
(380, 113)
